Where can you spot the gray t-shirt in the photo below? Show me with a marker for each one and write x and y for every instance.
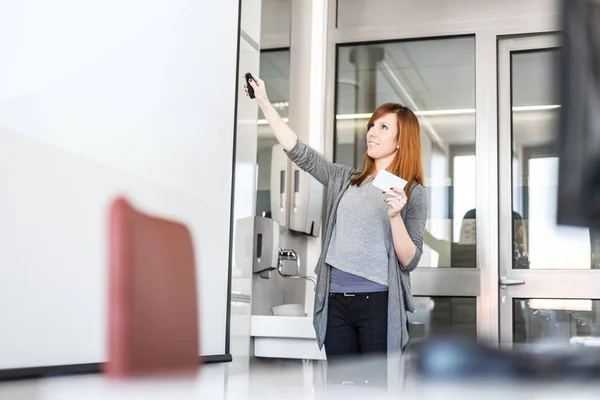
(360, 241)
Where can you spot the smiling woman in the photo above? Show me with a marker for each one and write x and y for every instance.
(372, 239)
(393, 143)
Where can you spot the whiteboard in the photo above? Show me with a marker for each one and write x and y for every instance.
(101, 98)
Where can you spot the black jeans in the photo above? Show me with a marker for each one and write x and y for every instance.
(356, 324)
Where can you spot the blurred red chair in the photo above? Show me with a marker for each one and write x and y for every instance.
(153, 307)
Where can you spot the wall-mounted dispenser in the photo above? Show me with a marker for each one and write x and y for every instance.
(265, 242)
(279, 172)
(305, 205)
(263, 246)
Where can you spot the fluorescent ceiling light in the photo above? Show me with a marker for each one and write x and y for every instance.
(353, 116)
(418, 113)
(536, 108)
(445, 112)
(264, 121)
(430, 113)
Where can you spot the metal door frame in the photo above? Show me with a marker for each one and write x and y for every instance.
(482, 281)
(551, 284)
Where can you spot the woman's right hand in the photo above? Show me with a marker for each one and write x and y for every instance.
(284, 134)
(260, 93)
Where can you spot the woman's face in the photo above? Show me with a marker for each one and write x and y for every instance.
(381, 137)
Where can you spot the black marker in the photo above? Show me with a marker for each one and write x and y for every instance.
(248, 76)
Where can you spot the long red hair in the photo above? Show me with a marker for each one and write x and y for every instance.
(407, 164)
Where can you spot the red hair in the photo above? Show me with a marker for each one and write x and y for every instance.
(407, 164)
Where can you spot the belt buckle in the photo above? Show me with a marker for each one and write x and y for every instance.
(349, 295)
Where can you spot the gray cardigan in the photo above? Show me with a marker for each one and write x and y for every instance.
(336, 179)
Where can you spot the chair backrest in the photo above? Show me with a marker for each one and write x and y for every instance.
(153, 306)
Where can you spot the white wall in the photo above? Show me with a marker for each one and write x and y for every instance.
(99, 98)
(276, 23)
(382, 14)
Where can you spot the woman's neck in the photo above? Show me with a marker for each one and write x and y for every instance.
(384, 162)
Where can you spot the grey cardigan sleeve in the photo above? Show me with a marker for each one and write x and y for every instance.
(416, 217)
(311, 161)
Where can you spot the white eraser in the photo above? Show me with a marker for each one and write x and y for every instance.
(386, 180)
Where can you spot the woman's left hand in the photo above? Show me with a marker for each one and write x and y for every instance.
(396, 201)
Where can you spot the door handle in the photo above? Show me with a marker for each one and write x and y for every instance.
(504, 282)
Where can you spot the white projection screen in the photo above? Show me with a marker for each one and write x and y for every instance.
(101, 98)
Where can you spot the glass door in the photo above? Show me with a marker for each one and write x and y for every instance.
(549, 274)
(435, 77)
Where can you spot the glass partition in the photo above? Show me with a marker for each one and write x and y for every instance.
(275, 71)
(436, 79)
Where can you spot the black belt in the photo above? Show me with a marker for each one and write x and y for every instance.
(356, 294)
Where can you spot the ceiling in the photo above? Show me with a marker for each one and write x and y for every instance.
(438, 74)
(426, 75)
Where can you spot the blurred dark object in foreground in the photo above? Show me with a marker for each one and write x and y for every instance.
(453, 358)
(579, 128)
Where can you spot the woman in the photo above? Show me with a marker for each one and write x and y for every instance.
(372, 240)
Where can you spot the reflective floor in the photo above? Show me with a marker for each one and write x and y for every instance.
(281, 379)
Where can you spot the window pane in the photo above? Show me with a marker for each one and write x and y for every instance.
(274, 69)
(556, 320)
(538, 242)
(464, 196)
(444, 316)
(436, 79)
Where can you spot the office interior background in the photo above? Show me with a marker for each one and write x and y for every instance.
(146, 99)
